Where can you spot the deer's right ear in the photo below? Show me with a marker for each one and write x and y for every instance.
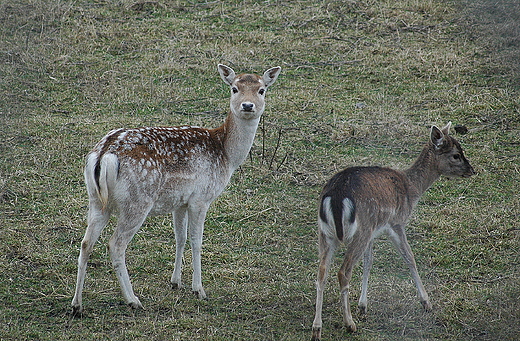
(227, 74)
(437, 137)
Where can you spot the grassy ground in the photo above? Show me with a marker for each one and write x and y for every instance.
(362, 82)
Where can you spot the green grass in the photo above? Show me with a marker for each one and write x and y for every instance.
(362, 81)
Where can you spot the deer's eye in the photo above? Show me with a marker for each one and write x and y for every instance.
(261, 91)
(456, 156)
(234, 89)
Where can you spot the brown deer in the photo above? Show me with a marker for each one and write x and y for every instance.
(360, 203)
(135, 173)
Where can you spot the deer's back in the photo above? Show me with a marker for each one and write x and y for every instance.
(378, 196)
(166, 166)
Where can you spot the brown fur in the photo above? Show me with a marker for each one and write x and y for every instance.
(360, 203)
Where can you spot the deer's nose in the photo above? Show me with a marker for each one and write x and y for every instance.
(247, 106)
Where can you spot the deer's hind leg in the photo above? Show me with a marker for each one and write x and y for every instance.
(97, 220)
(128, 224)
(356, 247)
(327, 246)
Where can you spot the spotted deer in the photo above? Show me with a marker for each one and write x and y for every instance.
(361, 203)
(135, 173)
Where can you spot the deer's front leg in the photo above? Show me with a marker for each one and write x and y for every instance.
(181, 234)
(400, 241)
(196, 217)
(368, 260)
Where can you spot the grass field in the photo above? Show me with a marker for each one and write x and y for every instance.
(362, 82)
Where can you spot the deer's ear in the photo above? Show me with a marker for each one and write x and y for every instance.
(437, 137)
(446, 129)
(226, 73)
(270, 75)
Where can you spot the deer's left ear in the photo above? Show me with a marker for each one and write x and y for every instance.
(446, 129)
(270, 75)
(437, 137)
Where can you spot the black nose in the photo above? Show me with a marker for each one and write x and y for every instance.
(247, 106)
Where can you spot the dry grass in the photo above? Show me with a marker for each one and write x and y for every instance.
(362, 81)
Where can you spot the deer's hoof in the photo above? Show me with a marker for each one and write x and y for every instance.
(427, 305)
(351, 328)
(136, 304)
(201, 295)
(362, 310)
(316, 334)
(77, 311)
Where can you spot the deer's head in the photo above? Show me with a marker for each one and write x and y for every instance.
(248, 90)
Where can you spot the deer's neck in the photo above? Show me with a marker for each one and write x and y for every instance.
(423, 173)
(237, 137)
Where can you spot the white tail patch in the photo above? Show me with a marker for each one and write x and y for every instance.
(107, 177)
(349, 222)
(98, 184)
(90, 179)
(328, 226)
